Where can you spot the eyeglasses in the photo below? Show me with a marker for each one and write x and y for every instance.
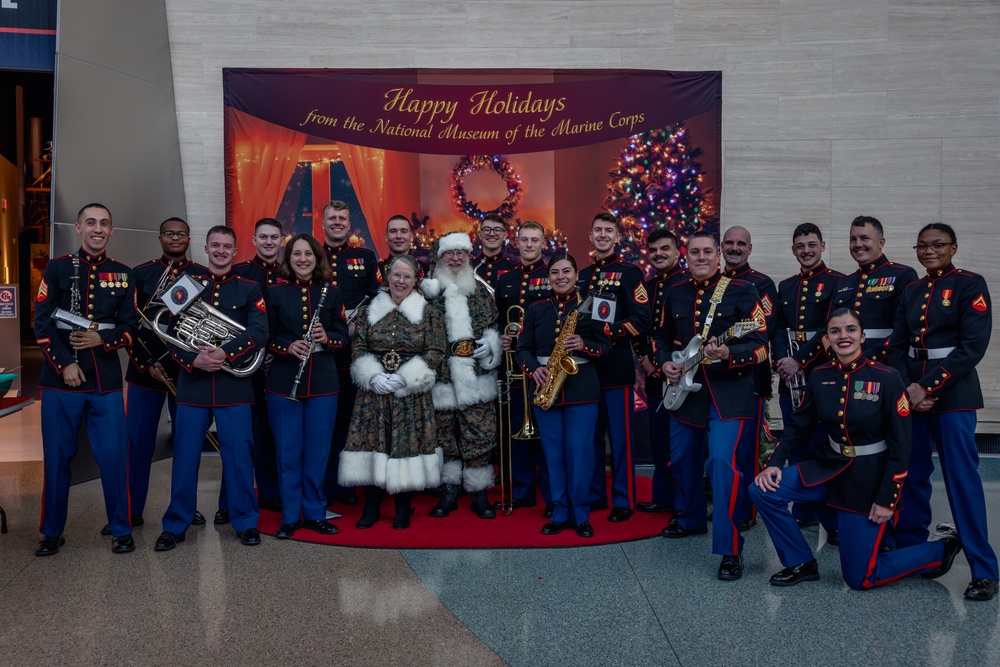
(491, 231)
(936, 247)
(454, 253)
(174, 235)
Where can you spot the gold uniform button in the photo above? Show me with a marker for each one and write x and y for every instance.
(840, 413)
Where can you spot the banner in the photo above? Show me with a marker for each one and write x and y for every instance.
(446, 147)
(28, 35)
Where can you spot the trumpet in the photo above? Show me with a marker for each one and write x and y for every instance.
(797, 384)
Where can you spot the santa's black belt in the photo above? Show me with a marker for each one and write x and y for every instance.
(392, 360)
(462, 348)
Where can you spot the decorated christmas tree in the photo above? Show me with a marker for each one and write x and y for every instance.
(657, 182)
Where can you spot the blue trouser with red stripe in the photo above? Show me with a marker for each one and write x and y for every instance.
(303, 429)
(142, 415)
(860, 561)
(235, 430)
(62, 413)
(806, 511)
(566, 435)
(748, 458)
(664, 488)
(528, 467)
(614, 417)
(687, 460)
(954, 433)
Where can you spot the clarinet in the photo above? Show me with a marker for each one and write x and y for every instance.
(74, 296)
(309, 339)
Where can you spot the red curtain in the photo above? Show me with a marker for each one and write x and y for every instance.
(263, 158)
(386, 183)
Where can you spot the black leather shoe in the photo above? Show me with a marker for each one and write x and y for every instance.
(652, 507)
(482, 507)
(49, 546)
(519, 503)
(323, 527)
(674, 530)
(601, 504)
(106, 530)
(249, 537)
(550, 509)
(137, 520)
(731, 568)
(270, 504)
(122, 545)
(369, 516)
(585, 529)
(952, 545)
(981, 590)
(807, 523)
(286, 530)
(448, 502)
(793, 575)
(620, 514)
(747, 525)
(199, 519)
(221, 517)
(833, 538)
(167, 541)
(554, 527)
(401, 521)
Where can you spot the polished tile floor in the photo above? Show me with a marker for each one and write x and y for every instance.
(653, 602)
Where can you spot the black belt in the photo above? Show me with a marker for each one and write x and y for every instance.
(392, 360)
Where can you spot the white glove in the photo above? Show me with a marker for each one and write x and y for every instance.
(381, 384)
(395, 381)
(483, 350)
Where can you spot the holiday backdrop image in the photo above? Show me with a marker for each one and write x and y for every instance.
(447, 147)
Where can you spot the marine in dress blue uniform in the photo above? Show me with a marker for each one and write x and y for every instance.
(147, 393)
(865, 410)
(265, 465)
(633, 320)
(942, 331)
(490, 262)
(303, 426)
(522, 286)
(748, 449)
(664, 489)
(800, 316)
(492, 268)
(355, 273)
(566, 429)
(723, 405)
(106, 298)
(202, 395)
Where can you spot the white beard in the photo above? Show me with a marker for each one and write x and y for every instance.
(464, 282)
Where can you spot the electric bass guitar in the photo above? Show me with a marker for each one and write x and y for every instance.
(694, 354)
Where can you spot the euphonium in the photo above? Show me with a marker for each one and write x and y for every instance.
(200, 324)
(560, 365)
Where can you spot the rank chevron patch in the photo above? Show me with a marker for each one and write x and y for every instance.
(903, 405)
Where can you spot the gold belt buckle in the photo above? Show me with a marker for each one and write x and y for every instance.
(391, 361)
(800, 336)
(463, 348)
(848, 451)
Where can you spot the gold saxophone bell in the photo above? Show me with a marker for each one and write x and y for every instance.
(560, 365)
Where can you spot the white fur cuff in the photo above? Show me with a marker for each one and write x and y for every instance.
(364, 369)
(414, 473)
(418, 375)
(452, 472)
(478, 479)
(492, 360)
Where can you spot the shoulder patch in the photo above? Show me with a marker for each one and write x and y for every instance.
(903, 405)
(758, 314)
(979, 303)
(260, 305)
(43, 291)
(767, 305)
(640, 294)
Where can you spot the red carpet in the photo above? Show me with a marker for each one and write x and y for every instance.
(464, 530)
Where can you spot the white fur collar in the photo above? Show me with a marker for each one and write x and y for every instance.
(412, 307)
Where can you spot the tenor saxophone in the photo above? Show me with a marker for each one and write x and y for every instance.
(560, 365)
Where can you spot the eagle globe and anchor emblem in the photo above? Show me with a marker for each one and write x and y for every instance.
(179, 294)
